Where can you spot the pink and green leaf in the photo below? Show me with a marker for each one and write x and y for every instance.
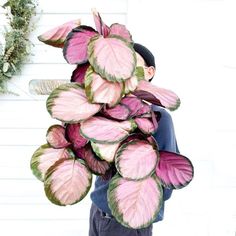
(56, 37)
(44, 157)
(174, 170)
(99, 90)
(75, 49)
(74, 136)
(101, 27)
(145, 125)
(120, 30)
(68, 103)
(56, 137)
(67, 182)
(133, 103)
(118, 112)
(97, 166)
(105, 151)
(78, 74)
(135, 204)
(112, 57)
(136, 159)
(156, 95)
(102, 130)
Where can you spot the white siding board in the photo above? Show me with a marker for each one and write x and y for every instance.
(25, 114)
(22, 137)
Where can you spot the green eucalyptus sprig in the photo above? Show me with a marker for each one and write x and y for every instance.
(17, 44)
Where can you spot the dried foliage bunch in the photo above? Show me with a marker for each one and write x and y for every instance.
(107, 124)
(17, 45)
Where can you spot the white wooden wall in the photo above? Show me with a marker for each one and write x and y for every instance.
(195, 50)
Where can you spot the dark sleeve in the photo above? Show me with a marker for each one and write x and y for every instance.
(165, 137)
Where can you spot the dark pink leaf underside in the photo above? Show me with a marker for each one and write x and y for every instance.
(119, 112)
(73, 134)
(174, 170)
(75, 49)
(97, 166)
(79, 73)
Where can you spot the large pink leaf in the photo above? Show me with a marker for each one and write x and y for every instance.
(56, 136)
(96, 165)
(75, 49)
(112, 57)
(136, 159)
(69, 103)
(67, 182)
(44, 157)
(78, 74)
(145, 125)
(101, 27)
(74, 136)
(156, 95)
(120, 30)
(135, 204)
(174, 170)
(119, 112)
(57, 36)
(99, 90)
(105, 151)
(102, 130)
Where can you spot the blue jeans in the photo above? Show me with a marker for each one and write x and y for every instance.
(101, 224)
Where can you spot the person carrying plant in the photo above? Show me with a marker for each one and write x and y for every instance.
(101, 221)
(114, 126)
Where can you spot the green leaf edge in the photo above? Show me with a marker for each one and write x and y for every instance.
(59, 43)
(139, 73)
(176, 106)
